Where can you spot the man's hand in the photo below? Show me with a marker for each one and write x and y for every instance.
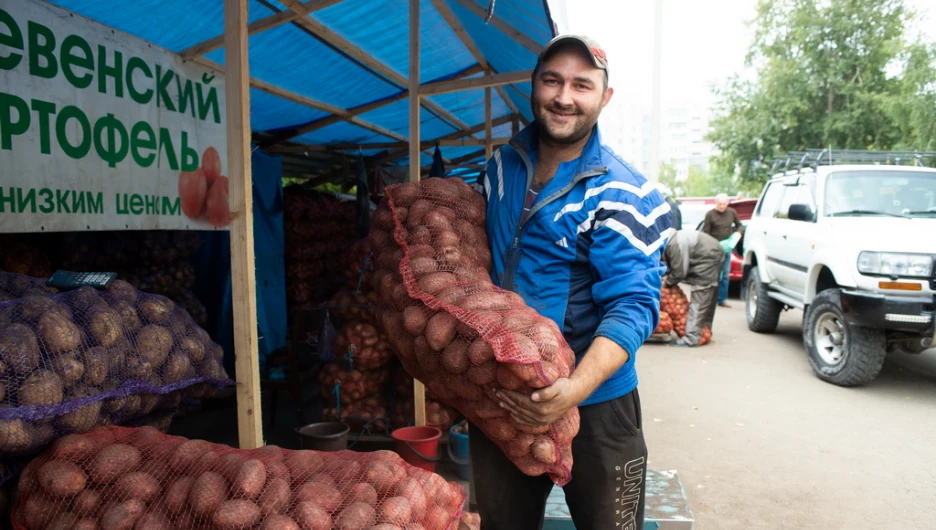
(545, 405)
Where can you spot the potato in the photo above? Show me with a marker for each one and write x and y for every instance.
(85, 418)
(62, 479)
(30, 308)
(437, 221)
(153, 521)
(57, 333)
(438, 517)
(193, 348)
(86, 524)
(383, 475)
(19, 348)
(137, 485)
(122, 516)
(428, 360)
(84, 299)
(362, 492)
(250, 479)
(544, 450)
(277, 469)
(87, 501)
(42, 387)
(155, 309)
(412, 490)
(302, 464)
(311, 516)
(112, 462)
(95, 365)
(105, 326)
(465, 389)
(236, 515)
(416, 212)
(176, 367)
(436, 282)
(440, 330)
(356, 516)
(153, 343)
(519, 446)
(177, 494)
(567, 426)
(138, 367)
(455, 358)
(500, 430)
(207, 493)
(73, 447)
(484, 374)
(395, 510)
(279, 522)
(275, 498)
(122, 291)
(69, 368)
(508, 379)
(62, 521)
(128, 315)
(37, 510)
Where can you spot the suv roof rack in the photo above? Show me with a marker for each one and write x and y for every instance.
(829, 157)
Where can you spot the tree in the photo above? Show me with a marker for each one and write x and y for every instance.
(667, 177)
(822, 80)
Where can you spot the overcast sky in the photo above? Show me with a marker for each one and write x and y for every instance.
(702, 43)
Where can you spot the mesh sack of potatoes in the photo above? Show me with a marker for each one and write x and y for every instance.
(141, 479)
(72, 360)
(458, 333)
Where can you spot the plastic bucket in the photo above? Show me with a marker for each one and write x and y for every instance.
(419, 446)
(458, 452)
(324, 436)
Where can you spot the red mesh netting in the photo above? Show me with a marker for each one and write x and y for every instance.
(675, 305)
(665, 325)
(70, 361)
(113, 478)
(457, 332)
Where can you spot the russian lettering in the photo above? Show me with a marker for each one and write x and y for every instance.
(78, 202)
(136, 204)
(189, 156)
(186, 96)
(48, 205)
(95, 202)
(61, 199)
(134, 64)
(27, 202)
(121, 208)
(105, 71)
(208, 104)
(7, 199)
(44, 50)
(71, 60)
(151, 202)
(165, 142)
(44, 110)
(162, 84)
(8, 127)
(12, 38)
(142, 137)
(171, 207)
(109, 152)
(61, 132)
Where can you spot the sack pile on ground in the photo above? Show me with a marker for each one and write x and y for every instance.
(140, 479)
(70, 361)
(674, 313)
(458, 333)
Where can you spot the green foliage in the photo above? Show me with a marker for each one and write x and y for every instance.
(825, 78)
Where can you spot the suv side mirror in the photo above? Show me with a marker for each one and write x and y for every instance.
(801, 212)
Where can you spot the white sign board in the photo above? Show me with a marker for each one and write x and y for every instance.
(100, 130)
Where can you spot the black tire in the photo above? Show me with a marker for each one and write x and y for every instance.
(838, 352)
(763, 312)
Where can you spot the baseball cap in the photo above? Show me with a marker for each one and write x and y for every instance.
(594, 50)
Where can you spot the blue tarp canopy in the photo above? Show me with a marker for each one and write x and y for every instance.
(334, 72)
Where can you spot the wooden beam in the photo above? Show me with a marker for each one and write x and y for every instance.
(393, 155)
(506, 99)
(488, 139)
(466, 158)
(270, 22)
(270, 88)
(522, 93)
(326, 34)
(243, 277)
(444, 87)
(515, 125)
(419, 390)
(505, 28)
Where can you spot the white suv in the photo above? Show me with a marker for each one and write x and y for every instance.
(852, 243)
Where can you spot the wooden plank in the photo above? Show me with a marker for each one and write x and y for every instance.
(488, 140)
(393, 155)
(243, 277)
(270, 22)
(515, 125)
(424, 146)
(419, 390)
(522, 93)
(323, 32)
(444, 87)
(474, 7)
(506, 99)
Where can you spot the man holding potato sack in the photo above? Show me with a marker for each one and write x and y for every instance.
(695, 258)
(579, 234)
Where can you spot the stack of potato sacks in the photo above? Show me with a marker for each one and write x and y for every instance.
(455, 331)
(674, 312)
(70, 361)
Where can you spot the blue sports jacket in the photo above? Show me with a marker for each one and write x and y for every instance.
(589, 255)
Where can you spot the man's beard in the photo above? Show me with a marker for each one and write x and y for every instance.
(585, 121)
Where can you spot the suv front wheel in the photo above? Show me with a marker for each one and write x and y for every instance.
(763, 312)
(841, 353)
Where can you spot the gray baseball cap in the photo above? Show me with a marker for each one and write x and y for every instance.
(592, 48)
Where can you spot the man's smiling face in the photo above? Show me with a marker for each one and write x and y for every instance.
(569, 93)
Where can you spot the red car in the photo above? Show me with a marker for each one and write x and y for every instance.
(693, 211)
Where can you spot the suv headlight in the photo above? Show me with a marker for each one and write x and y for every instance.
(891, 264)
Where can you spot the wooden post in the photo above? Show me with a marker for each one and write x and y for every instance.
(419, 390)
(243, 277)
(488, 143)
(515, 125)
